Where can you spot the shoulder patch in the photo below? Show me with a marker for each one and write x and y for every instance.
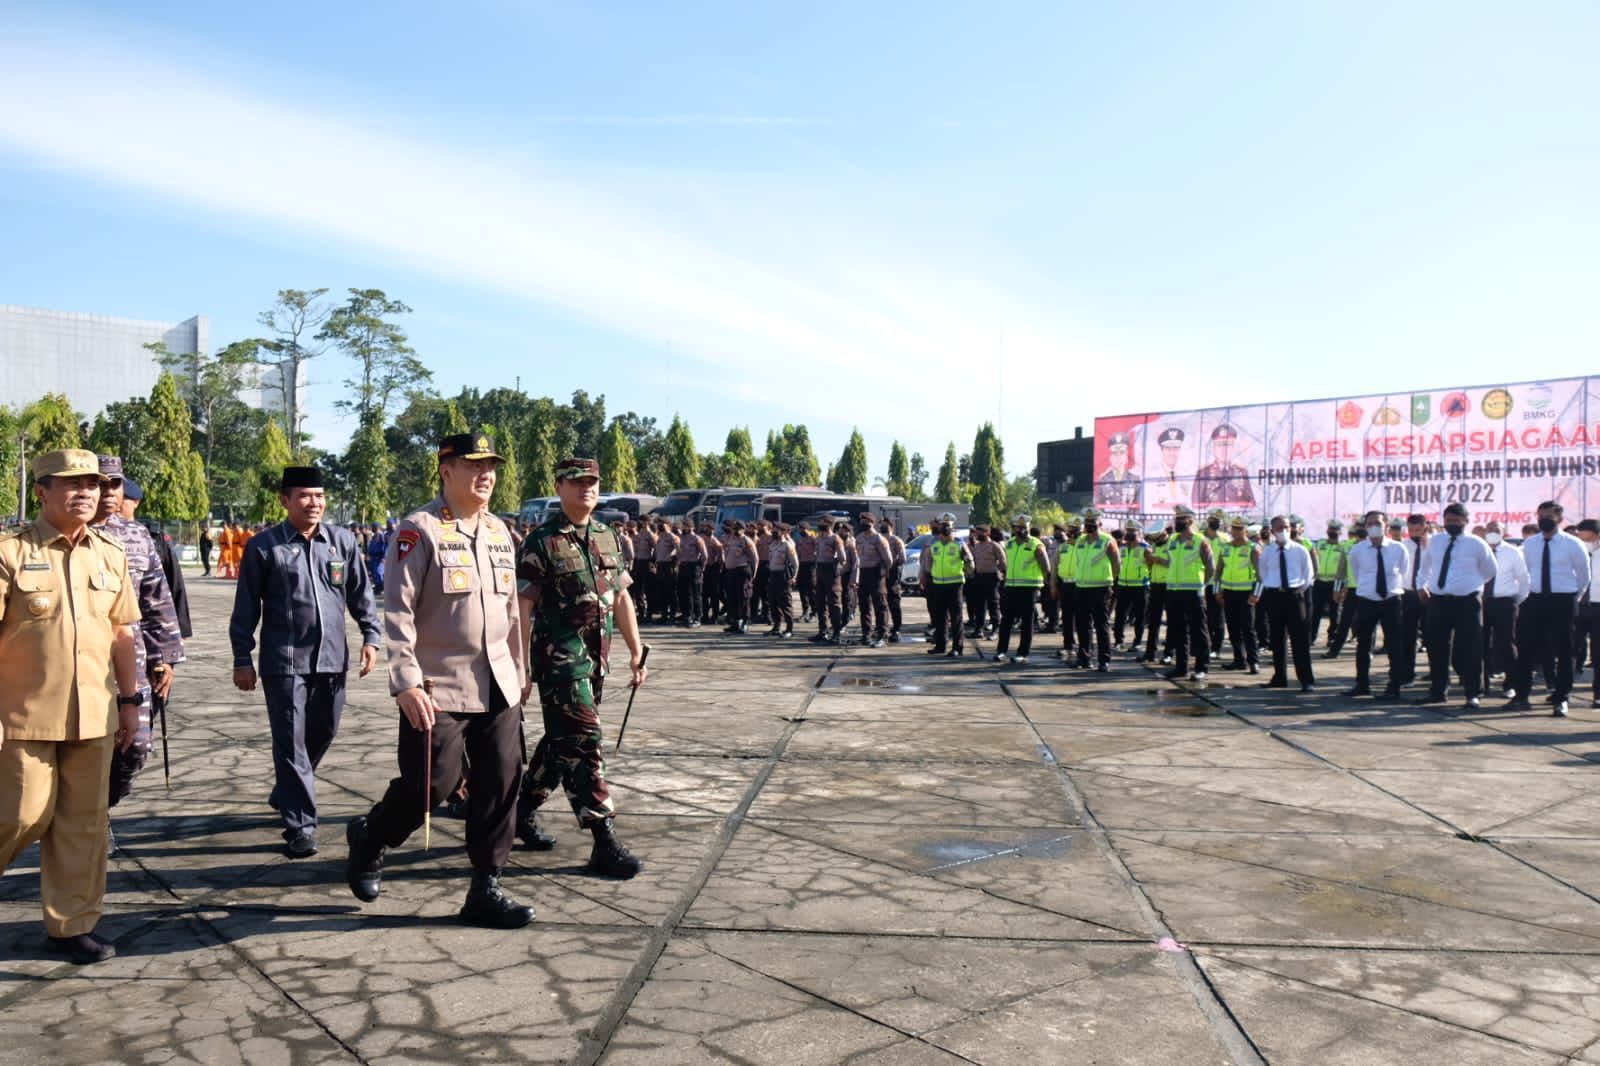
(404, 541)
(106, 538)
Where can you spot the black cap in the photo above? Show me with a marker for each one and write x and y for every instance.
(300, 477)
(475, 445)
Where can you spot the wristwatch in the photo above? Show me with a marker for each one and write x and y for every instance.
(135, 700)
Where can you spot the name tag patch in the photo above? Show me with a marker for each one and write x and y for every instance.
(36, 566)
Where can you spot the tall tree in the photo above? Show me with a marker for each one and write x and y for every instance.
(211, 385)
(649, 453)
(790, 459)
(849, 474)
(367, 462)
(917, 479)
(541, 449)
(947, 487)
(386, 366)
(123, 429)
(683, 464)
(739, 466)
(507, 498)
(981, 456)
(586, 419)
(10, 462)
(899, 480)
(170, 484)
(275, 455)
(617, 470)
(49, 423)
(989, 505)
(295, 320)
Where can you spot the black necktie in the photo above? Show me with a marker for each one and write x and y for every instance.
(1496, 553)
(1383, 578)
(1416, 560)
(1283, 567)
(1444, 566)
(1544, 567)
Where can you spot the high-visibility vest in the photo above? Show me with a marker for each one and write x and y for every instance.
(1134, 574)
(1022, 564)
(1329, 555)
(1158, 567)
(1216, 541)
(1094, 565)
(946, 568)
(1186, 570)
(1238, 574)
(1067, 562)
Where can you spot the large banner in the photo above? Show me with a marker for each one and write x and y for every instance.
(1499, 449)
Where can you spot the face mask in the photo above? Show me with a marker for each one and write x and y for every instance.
(1492, 538)
(1213, 524)
(1090, 528)
(1281, 536)
(1547, 524)
(1375, 532)
(1182, 525)
(1454, 529)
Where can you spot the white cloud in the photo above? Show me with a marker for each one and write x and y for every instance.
(802, 307)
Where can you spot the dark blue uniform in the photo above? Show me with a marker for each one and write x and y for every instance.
(298, 590)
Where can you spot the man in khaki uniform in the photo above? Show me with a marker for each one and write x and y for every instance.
(67, 611)
(457, 666)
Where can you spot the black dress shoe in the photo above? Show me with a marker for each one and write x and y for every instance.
(937, 649)
(489, 907)
(1255, 668)
(1392, 692)
(1432, 699)
(301, 846)
(81, 950)
(1519, 703)
(609, 858)
(1359, 690)
(1176, 672)
(1307, 686)
(363, 867)
(953, 653)
(1276, 682)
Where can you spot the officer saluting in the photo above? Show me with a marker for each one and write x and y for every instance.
(573, 588)
(456, 666)
(297, 580)
(67, 611)
(1223, 481)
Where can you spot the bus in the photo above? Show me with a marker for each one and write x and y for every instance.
(632, 504)
(794, 505)
(678, 503)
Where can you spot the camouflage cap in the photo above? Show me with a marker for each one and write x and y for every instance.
(475, 445)
(67, 462)
(576, 469)
(111, 467)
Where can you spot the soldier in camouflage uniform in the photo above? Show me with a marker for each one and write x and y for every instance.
(160, 644)
(573, 588)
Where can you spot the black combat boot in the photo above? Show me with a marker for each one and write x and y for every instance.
(363, 868)
(488, 906)
(532, 837)
(609, 858)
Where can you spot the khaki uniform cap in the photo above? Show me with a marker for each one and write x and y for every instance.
(68, 462)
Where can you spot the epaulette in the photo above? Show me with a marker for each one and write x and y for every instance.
(108, 539)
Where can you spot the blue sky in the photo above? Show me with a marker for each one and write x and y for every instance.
(904, 217)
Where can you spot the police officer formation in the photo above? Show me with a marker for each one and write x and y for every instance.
(477, 615)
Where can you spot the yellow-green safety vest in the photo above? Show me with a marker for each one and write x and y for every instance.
(1094, 564)
(1134, 574)
(1186, 570)
(1330, 553)
(1216, 543)
(1158, 568)
(1067, 562)
(1022, 564)
(946, 568)
(1238, 575)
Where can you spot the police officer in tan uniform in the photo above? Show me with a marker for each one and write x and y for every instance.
(67, 628)
(457, 666)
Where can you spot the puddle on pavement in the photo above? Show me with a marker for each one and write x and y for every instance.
(877, 684)
(1176, 702)
(961, 851)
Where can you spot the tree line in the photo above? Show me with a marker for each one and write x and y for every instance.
(201, 451)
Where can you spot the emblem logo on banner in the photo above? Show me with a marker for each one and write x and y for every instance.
(1539, 396)
(1349, 415)
(1496, 403)
(1421, 409)
(1455, 405)
(1386, 416)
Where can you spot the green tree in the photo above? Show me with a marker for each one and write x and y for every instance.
(1020, 496)
(917, 479)
(617, 470)
(274, 456)
(946, 488)
(387, 366)
(211, 385)
(989, 505)
(50, 424)
(123, 429)
(541, 449)
(367, 462)
(849, 474)
(169, 483)
(739, 466)
(982, 456)
(790, 459)
(586, 420)
(899, 480)
(683, 464)
(507, 498)
(10, 462)
(649, 454)
(294, 320)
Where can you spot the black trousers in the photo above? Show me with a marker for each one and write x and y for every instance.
(484, 748)
(1454, 636)
(758, 592)
(874, 602)
(1370, 615)
(1241, 619)
(982, 591)
(1156, 604)
(303, 711)
(780, 602)
(894, 593)
(1186, 627)
(826, 604)
(1544, 639)
(711, 592)
(1215, 629)
(736, 583)
(1411, 612)
(689, 580)
(1016, 608)
(1091, 617)
(665, 590)
(1286, 622)
(1589, 626)
(944, 607)
(1322, 606)
(1345, 618)
(643, 588)
(1499, 636)
(205, 558)
(1067, 594)
(1049, 606)
(1130, 611)
(806, 580)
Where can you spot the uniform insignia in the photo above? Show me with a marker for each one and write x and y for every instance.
(36, 566)
(405, 540)
(459, 580)
(38, 605)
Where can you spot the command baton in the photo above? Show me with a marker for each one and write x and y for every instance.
(644, 657)
(427, 773)
(159, 707)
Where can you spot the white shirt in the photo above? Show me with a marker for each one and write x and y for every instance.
(1413, 552)
(1594, 576)
(1511, 572)
(1569, 562)
(1471, 565)
(1363, 563)
(1269, 569)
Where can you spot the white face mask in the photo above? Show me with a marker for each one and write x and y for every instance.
(1492, 538)
(1375, 532)
(1281, 536)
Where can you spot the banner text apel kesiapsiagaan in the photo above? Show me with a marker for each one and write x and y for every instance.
(1499, 449)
